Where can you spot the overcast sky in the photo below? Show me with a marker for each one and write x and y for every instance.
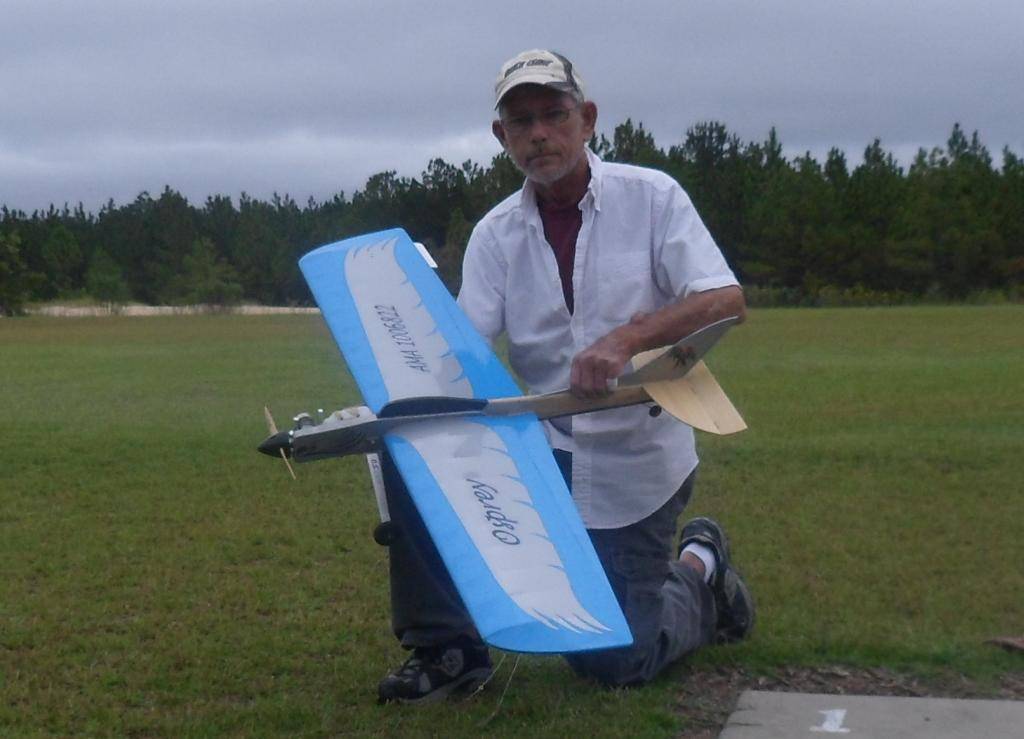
(105, 99)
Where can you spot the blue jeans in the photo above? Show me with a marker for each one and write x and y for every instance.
(669, 608)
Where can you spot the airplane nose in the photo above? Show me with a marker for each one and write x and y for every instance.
(274, 444)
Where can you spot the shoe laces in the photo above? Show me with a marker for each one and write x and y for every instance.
(420, 656)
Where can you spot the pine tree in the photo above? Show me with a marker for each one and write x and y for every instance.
(104, 279)
(14, 276)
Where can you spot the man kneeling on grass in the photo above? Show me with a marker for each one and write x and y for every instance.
(587, 265)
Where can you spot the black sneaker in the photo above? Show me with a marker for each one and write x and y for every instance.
(433, 673)
(733, 601)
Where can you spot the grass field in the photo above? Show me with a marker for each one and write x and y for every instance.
(159, 578)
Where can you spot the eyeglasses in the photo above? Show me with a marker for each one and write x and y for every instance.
(520, 124)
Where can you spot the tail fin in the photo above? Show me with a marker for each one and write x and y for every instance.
(668, 363)
(698, 400)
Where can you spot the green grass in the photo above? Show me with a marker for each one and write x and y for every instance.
(158, 577)
(878, 495)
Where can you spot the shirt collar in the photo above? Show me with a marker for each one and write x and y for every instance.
(528, 195)
(596, 172)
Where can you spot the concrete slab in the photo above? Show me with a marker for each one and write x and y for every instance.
(770, 715)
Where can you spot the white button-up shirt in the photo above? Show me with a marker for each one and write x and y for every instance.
(641, 247)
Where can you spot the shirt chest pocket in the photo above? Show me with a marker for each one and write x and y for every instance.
(625, 286)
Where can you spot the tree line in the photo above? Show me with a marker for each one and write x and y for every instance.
(948, 227)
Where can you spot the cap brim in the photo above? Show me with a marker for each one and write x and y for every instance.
(546, 80)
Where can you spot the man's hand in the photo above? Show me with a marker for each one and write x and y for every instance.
(594, 368)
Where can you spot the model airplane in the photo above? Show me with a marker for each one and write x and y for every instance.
(676, 379)
(471, 448)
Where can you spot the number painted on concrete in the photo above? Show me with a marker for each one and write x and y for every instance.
(832, 722)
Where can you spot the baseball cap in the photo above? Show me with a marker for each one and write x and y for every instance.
(538, 67)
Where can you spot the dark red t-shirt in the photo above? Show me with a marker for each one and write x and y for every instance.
(561, 227)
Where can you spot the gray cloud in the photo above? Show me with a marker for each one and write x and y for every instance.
(106, 99)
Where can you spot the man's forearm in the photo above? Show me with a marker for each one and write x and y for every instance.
(667, 326)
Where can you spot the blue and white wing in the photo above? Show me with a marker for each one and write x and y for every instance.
(488, 489)
(396, 324)
(496, 505)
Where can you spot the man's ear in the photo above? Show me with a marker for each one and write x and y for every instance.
(499, 133)
(588, 110)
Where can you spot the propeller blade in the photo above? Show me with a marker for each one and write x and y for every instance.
(271, 426)
(269, 445)
(288, 464)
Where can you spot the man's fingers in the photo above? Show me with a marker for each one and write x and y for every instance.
(593, 380)
(579, 386)
(582, 377)
(589, 381)
(599, 380)
(593, 373)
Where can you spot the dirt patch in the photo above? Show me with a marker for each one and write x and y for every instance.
(708, 696)
(1009, 643)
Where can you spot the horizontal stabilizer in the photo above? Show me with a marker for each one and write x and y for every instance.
(697, 400)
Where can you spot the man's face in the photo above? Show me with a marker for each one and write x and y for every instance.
(544, 131)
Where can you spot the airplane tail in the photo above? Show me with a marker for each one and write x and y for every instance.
(698, 400)
(673, 377)
(689, 392)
